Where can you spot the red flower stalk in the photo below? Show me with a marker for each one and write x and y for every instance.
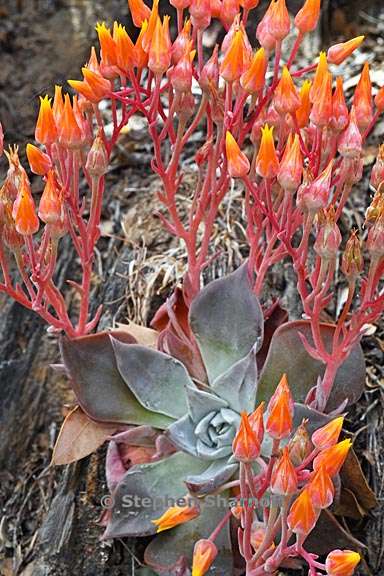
(238, 163)
(246, 446)
(204, 553)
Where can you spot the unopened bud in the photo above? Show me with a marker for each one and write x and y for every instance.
(328, 239)
(352, 263)
(375, 239)
(51, 209)
(204, 553)
(377, 174)
(300, 445)
(97, 159)
(313, 196)
(39, 162)
(209, 76)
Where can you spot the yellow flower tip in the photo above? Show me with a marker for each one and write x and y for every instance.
(174, 516)
(342, 562)
(328, 435)
(204, 553)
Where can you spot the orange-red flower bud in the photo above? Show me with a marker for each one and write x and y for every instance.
(362, 99)
(70, 133)
(280, 411)
(58, 104)
(312, 196)
(141, 56)
(253, 78)
(125, 49)
(340, 115)
(256, 420)
(39, 162)
(180, 4)
(209, 76)
(321, 112)
(375, 239)
(181, 74)
(308, 16)
(333, 458)
(176, 515)
(97, 159)
(229, 9)
(94, 87)
(328, 238)
(302, 113)
(267, 163)
(321, 489)
(107, 45)
(200, 11)
(350, 143)
(302, 516)
(45, 131)
(279, 22)
(286, 99)
(328, 435)
(236, 58)
(182, 42)
(24, 212)
(160, 48)
(320, 73)
(139, 12)
(284, 477)
(51, 210)
(249, 4)
(352, 263)
(258, 532)
(148, 35)
(339, 52)
(238, 163)
(341, 562)
(300, 445)
(291, 165)
(204, 553)
(246, 446)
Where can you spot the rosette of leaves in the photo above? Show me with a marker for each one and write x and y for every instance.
(193, 412)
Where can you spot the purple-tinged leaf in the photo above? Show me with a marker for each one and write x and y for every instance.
(157, 380)
(166, 548)
(146, 492)
(287, 354)
(114, 467)
(100, 389)
(276, 317)
(227, 321)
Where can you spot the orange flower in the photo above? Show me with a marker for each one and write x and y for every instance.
(160, 49)
(320, 73)
(141, 56)
(152, 21)
(362, 99)
(253, 78)
(329, 434)
(204, 553)
(97, 159)
(176, 515)
(70, 133)
(246, 446)
(58, 104)
(107, 45)
(238, 163)
(321, 113)
(256, 421)
(182, 42)
(46, 131)
(291, 165)
(94, 87)
(308, 16)
(284, 477)
(24, 212)
(341, 562)
(286, 99)
(302, 516)
(139, 12)
(229, 9)
(340, 116)
(267, 163)
(280, 411)
(302, 113)
(321, 489)
(51, 210)
(39, 162)
(279, 22)
(339, 52)
(125, 49)
(333, 458)
(236, 58)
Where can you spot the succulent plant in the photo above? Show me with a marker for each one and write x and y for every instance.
(193, 416)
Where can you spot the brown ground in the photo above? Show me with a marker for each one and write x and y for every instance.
(36, 53)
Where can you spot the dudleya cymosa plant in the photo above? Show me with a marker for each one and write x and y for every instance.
(188, 422)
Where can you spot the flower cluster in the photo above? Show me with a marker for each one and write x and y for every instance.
(299, 480)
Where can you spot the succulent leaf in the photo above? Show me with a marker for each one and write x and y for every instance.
(96, 381)
(238, 385)
(157, 380)
(219, 472)
(288, 355)
(227, 321)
